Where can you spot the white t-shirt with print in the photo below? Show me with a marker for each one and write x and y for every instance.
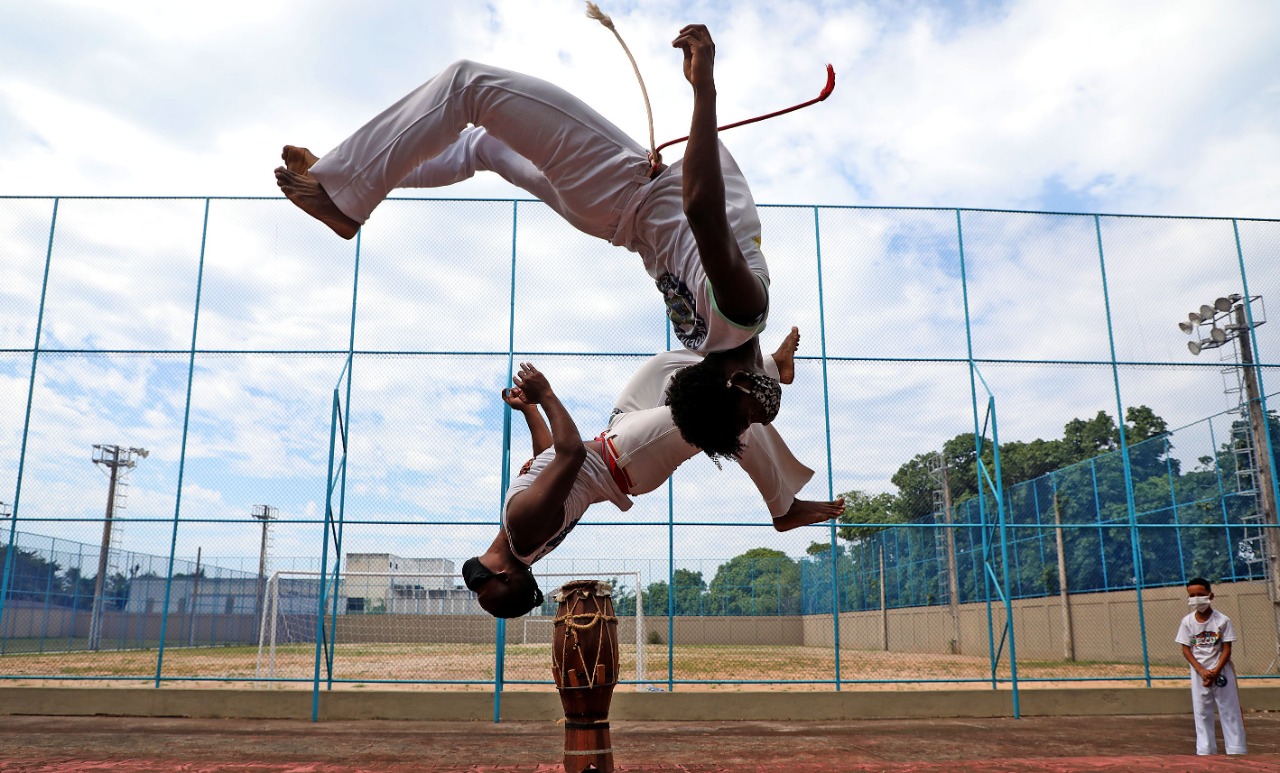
(660, 233)
(1205, 639)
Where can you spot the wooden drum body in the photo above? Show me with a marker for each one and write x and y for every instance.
(584, 660)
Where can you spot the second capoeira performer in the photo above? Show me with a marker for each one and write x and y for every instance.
(644, 444)
(694, 223)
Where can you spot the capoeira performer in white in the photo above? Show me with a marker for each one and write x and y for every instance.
(694, 223)
(639, 451)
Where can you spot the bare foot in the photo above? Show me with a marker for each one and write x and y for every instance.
(298, 160)
(306, 192)
(785, 357)
(805, 513)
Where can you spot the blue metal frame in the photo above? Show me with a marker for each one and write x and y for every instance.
(182, 458)
(997, 512)
(1135, 542)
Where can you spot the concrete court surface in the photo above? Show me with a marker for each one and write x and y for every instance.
(1119, 744)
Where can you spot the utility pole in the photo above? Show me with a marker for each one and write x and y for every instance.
(1064, 593)
(942, 475)
(1262, 450)
(119, 461)
(1235, 310)
(262, 513)
(6, 512)
(195, 600)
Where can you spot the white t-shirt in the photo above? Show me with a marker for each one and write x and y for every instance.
(592, 484)
(660, 233)
(1205, 639)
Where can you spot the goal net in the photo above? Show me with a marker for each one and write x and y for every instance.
(424, 626)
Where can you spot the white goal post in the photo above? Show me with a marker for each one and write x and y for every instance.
(428, 608)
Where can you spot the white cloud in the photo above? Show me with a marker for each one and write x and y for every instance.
(1141, 107)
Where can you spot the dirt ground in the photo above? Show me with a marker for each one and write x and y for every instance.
(1113, 744)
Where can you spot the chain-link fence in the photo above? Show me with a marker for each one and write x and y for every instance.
(236, 450)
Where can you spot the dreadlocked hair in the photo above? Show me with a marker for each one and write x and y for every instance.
(706, 411)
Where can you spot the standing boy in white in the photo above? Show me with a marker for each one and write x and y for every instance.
(1206, 636)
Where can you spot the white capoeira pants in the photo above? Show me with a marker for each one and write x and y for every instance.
(1226, 700)
(549, 143)
(767, 460)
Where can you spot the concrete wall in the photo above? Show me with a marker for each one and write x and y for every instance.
(783, 630)
(25, 620)
(634, 706)
(1104, 627)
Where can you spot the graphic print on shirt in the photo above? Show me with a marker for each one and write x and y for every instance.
(1206, 639)
(690, 328)
(555, 541)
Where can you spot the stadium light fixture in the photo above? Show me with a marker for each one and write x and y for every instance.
(1239, 319)
(1229, 310)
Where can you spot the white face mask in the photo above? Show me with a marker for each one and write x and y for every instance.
(1201, 603)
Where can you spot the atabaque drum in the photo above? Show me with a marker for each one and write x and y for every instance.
(584, 661)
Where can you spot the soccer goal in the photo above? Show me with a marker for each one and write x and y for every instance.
(419, 617)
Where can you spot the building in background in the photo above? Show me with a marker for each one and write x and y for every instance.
(382, 583)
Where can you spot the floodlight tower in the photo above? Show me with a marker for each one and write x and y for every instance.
(264, 513)
(1235, 325)
(119, 461)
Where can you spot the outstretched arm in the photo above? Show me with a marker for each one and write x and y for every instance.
(536, 390)
(739, 293)
(539, 432)
(535, 514)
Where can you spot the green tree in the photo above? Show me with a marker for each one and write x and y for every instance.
(690, 588)
(31, 576)
(866, 508)
(761, 581)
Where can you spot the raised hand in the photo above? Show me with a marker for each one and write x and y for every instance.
(514, 397)
(699, 54)
(532, 384)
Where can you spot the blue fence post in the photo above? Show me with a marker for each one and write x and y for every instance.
(182, 453)
(336, 434)
(26, 421)
(671, 564)
(1173, 500)
(1097, 511)
(1124, 451)
(1222, 500)
(500, 626)
(342, 488)
(977, 439)
(826, 414)
(1004, 549)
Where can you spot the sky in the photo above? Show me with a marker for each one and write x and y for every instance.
(1168, 108)
(1138, 107)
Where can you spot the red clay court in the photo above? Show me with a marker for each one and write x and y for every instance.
(1117, 744)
